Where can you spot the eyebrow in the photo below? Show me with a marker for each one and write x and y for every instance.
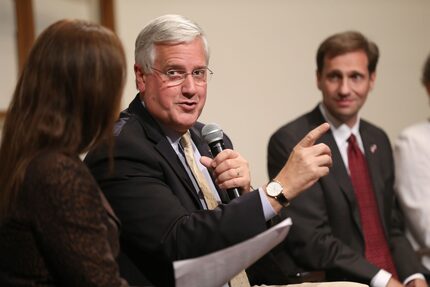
(356, 73)
(338, 72)
(333, 73)
(180, 67)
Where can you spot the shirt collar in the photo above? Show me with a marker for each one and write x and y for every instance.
(341, 131)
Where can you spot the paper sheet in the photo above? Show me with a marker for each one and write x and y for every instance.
(217, 268)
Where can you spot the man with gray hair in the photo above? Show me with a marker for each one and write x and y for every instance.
(164, 186)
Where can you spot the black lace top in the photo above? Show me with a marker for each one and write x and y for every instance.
(63, 232)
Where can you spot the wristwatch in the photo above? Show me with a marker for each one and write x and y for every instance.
(274, 189)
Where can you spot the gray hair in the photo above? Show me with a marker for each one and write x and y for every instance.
(169, 29)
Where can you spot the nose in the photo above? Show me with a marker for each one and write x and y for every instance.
(188, 86)
(344, 88)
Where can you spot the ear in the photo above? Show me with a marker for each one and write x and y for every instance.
(428, 88)
(318, 79)
(140, 78)
(372, 79)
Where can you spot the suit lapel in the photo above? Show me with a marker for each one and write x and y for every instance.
(371, 153)
(168, 153)
(338, 175)
(343, 180)
(109, 210)
(162, 145)
(201, 145)
(340, 172)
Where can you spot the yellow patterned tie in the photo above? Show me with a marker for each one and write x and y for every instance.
(240, 280)
(200, 178)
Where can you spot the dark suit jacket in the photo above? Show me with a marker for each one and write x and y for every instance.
(155, 200)
(326, 233)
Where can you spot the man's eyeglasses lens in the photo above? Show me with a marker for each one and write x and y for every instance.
(177, 77)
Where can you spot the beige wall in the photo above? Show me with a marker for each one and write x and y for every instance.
(8, 59)
(262, 53)
(45, 12)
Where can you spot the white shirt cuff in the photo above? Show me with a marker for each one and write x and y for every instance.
(413, 277)
(268, 210)
(380, 279)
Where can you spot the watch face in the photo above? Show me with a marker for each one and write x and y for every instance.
(273, 189)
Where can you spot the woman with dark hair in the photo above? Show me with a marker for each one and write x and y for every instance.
(56, 228)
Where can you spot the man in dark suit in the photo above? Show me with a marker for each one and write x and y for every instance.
(335, 229)
(163, 203)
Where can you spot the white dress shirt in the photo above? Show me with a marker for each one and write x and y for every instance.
(412, 159)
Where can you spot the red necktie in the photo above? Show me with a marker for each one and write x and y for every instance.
(377, 250)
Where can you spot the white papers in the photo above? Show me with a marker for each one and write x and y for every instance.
(217, 268)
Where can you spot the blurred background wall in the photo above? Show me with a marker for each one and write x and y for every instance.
(263, 57)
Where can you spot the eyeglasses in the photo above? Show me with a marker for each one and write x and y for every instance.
(176, 77)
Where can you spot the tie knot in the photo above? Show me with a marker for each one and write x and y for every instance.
(186, 140)
(352, 139)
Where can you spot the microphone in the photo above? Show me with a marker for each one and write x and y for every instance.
(213, 135)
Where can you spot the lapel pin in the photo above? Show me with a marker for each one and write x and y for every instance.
(373, 148)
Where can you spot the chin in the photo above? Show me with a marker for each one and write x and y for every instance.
(184, 126)
(189, 119)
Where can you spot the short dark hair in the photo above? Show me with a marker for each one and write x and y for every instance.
(346, 42)
(426, 72)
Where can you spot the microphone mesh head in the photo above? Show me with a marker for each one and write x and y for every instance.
(212, 133)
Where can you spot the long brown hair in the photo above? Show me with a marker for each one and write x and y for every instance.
(66, 99)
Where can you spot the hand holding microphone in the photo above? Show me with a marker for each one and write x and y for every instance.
(231, 170)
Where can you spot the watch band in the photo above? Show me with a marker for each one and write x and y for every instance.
(281, 197)
(282, 200)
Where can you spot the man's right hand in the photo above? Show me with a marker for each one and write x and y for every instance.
(394, 283)
(306, 164)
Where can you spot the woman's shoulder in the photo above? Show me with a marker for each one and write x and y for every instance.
(417, 130)
(49, 164)
(51, 160)
(54, 173)
(414, 139)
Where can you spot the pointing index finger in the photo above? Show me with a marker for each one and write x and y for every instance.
(313, 135)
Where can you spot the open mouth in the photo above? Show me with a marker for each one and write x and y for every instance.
(188, 105)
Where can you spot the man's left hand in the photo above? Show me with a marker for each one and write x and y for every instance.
(417, 283)
(230, 170)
